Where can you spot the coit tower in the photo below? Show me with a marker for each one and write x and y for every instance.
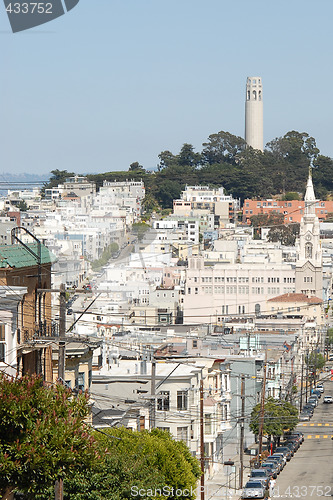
(254, 116)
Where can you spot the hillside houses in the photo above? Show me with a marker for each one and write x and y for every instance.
(192, 300)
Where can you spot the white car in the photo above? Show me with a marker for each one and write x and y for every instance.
(320, 388)
(328, 399)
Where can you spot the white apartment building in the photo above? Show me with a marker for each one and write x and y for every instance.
(177, 399)
(224, 207)
(212, 292)
(80, 186)
(10, 300)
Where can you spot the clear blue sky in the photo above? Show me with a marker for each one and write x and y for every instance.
(117, 81)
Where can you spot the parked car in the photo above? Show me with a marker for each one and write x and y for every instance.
(304, 417)
(271, 468)
(281, 456)
(285, 450)
(313, 401)
(293, 447)
(296, 441)
(309, 407)
(295, 434)
(299, 434)
(260, 475)
(320, 387)
(317, 392)
(254, 489)
(276, 460)
(328, 399)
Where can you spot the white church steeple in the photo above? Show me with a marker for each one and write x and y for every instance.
(309, 198)
(309, 279)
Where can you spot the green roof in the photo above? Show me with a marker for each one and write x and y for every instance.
(18, 256)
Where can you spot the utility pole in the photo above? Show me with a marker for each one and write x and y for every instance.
(307, 376)
(59, 485)
(301, 398)
(262, 409)
(62, 334)
(315, 368)
(241, 449)
(152, 392)
(202, 444)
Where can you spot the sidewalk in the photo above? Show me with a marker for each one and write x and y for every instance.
(222, 487)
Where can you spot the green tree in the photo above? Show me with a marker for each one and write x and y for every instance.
(286, 234)
(22, 206)
(315, 360)
(291, 195)
(43, 435)
(329, 337)
(292, 154)
(136, 167)
(139, 229)
(58, 177)
(265, 220)
(150, 203)
(222, 147)
(106, 256)
(187, 156)
(295, 146)
(168, 191)
(167, 159)
(322, 176)
(279, 416)
(148, 460)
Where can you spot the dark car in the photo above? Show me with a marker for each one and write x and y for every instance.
(285, 451)
(308, 407)
(298, 434)
(254, 489)
(281, 456)
(293, 438)
(292, 446)
(271, 469)
(296, 442)
(276, 461)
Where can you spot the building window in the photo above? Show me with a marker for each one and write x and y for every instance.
(181, 400)
(208, 423)
(2, 332)
(182, 434)
(2, 352)
(163, 403)
(308, 251)
(80, 381)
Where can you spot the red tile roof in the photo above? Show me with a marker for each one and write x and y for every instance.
(296, 297)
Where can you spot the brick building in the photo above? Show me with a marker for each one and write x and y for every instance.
(19, 268)
(293, 210)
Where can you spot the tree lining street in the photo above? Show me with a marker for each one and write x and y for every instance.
(309, 474)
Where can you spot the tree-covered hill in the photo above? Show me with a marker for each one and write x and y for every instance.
(226, 161)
